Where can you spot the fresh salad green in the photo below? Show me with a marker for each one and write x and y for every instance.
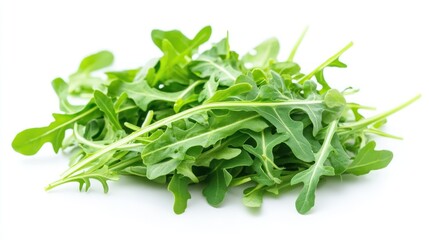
(211, 118)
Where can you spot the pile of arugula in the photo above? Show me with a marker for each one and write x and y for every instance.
(212, 118)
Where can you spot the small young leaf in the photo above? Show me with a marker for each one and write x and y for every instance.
(369, 159)
(62, 90)
(265, 51)
(106, 106)
(253, 197)
(217, 187)
(96, 61)
(179, 187)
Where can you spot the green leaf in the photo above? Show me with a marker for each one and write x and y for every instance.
(105, 104)
(310, 177)
(241, 160)
(332, 60)
(223, 72)
(230, 92)
(176, 141)
(185, 168)
(264, 52)
(179, 187)
(177, 49)
(179, 41)
(265, 142)
(296, 46)
(126, 76)
(253, 197)
(220, 49)
(82, 81)
(103, 175)
(140, 171)
(338, 158)
(142, 93)
(217, 186)
(187, 96)
(369, 159)
(222, 150)
(96, 61)
(293, 130)
(209, 89)
(220, 179)
(320, 75)
(163, 168)
(62, 90)
(334, 98)
(29, 141)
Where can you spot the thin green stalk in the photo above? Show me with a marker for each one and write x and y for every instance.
(368, 121)
(296, 46)
(124, 164)
(326, 63)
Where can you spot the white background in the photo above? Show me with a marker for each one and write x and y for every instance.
(43, 39)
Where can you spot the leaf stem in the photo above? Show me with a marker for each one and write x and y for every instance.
(296, 46)
(326, 63)
(368, 121)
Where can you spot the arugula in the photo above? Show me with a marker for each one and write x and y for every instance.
(211, 118)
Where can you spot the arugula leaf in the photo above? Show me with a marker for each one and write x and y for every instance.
(217, 186)
(176, 141)
(253, 197)
(102, 175)
(332, 61)
(105, 104)
(369, 159)
(230, 92)
(82, 81)
(177, 49)
(179, 41)
(223, 72)
(29, 141)
(220, 179)
(62, 90)
(179, 187)
(264, 52)
(222, 150)
(142, 93)
(310, 177)
(293, 130)
(96, 61)
(265, 142)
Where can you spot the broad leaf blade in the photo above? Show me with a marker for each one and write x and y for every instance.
(179, 187)
(96, 61)
(369, 159)
(280, 118)
(217, 187)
